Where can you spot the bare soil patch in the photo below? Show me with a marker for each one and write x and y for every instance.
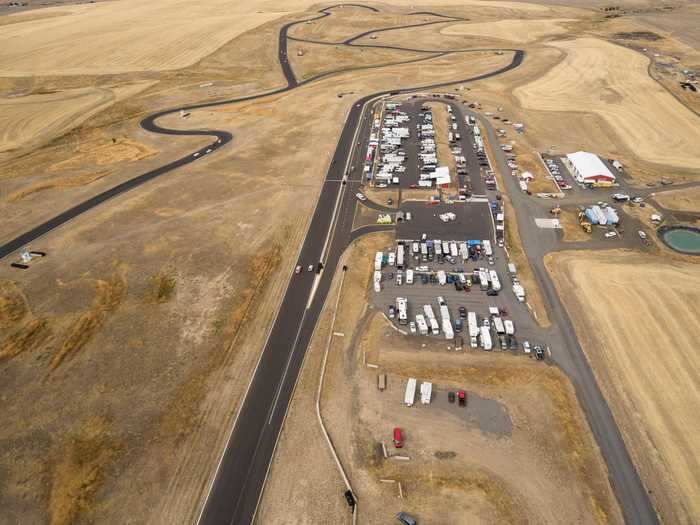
(641, 346)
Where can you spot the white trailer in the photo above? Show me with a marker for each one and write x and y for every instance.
(484, 279)
(519, 292)
(511, 269)
(442, 277)
(392, 258)
(453, 249)
(486, 338)
(444, 312)
(434, 326)
(473, 329)
(495, 282)
(377, 281)
(400, 256)
(415, 248)
(445, 247)
(409, 276)
(487, 248)
(378, 260)
(410, 395)
(498, 325)
(464, 251)
(422, 325)
(510, 328)
(438, 248)
(426, 391)
(402, 307)
(447, 329)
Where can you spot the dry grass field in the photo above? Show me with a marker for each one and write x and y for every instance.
(37, 118)
(493, 465)
(613, 83)
(636, 317)
(682, 200)
(519, 31)
(125, 36)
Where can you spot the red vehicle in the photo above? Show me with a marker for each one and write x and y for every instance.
(398, 440)
(462, 396)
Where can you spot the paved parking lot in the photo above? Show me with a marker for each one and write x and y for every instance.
(473, 221)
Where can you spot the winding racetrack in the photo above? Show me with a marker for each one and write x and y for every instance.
(239, 479)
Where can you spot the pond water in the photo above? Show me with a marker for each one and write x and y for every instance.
(683, 239)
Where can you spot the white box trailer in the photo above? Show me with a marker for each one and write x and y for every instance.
(434, 326)
(410, 395)
(409, 276)
(484, 280)
(438, 248)
(422, 325)
(400, 256)
(444, 312)
(510, 328)
(519, 292)
(402, 307)
(464, 251)
(377, 281)
(378, 260)
(473, 326)
(495, 282)
(498, 325)
(445, 247)
(486, 244)
(428, 311)
(511, 269)
(486, 338)
(426, 392)
(447, 329)
(454, 252)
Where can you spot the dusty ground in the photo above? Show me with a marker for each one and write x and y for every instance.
(570, 228)
(488, 463)
(641, 346)
(615, 85)
(683, 200)
(519, 31)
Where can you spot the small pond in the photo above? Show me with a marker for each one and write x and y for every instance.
(684, 239)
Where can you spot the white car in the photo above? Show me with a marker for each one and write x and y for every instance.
(412, 327)
(360, 197)
(526, 347)
(610, 235)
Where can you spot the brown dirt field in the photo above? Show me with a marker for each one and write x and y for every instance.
(478, 478)
(641, 348)
(681, 200)
(570, 228)
(519, 31)
(616, 86)
(320, 58)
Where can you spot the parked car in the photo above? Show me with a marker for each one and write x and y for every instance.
(412, 327)
(297, 269)
(526, 347)
(360, 197)
(392, 312)
(539, 353)
(462, 312)
(451, 397)
(398, 439)
(462, 396)
(609, 235)
(310, 268)
(389, 201)
(406, 519)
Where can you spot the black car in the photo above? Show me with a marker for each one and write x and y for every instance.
(462, 312)
(451, 397)
(491, 292)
